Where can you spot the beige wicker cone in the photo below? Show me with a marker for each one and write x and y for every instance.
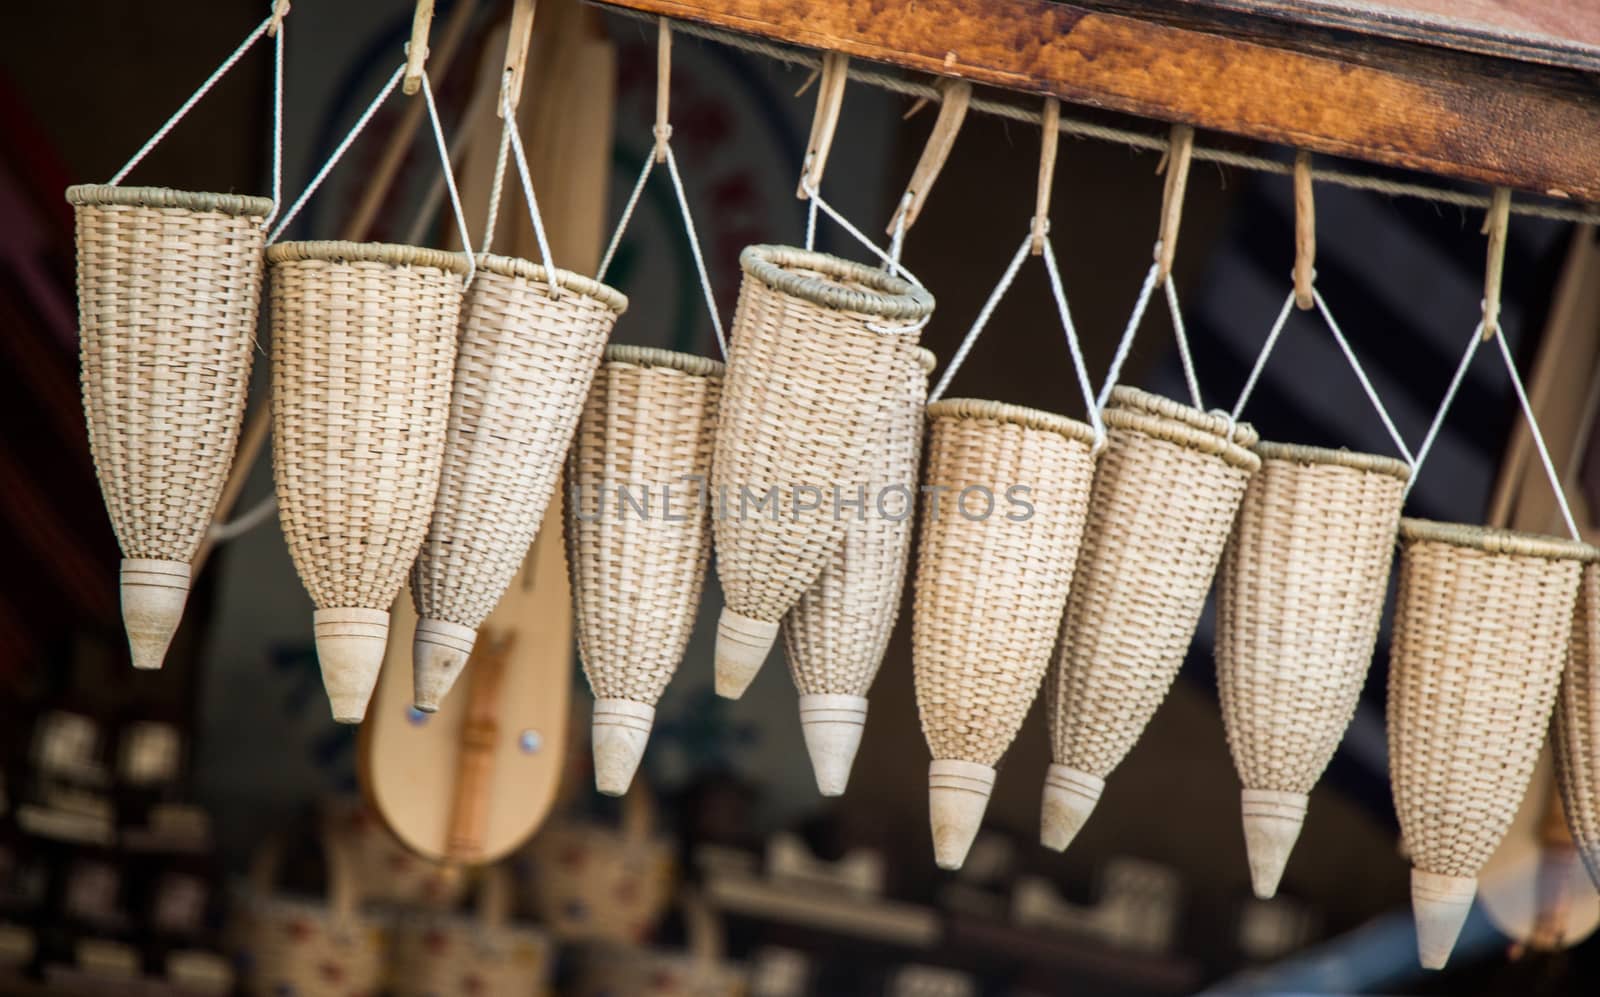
(1577, 726)
(523, 367)
(811, 366)
(836, 635)
(647, 427)
(1163, 504)
(1481, 627)
(990, 590)
(1299, 596)
(169, 287)
(363, 347)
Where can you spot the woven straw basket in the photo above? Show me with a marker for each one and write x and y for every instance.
(637, 575)
(363, 348)
(598, 882)
(1163, 504)
(169, 287)
(438, 955)
(990, 590)
(1577, 726)
(1481, 629)
(836, 635)
(1299, 596)
(523, 367)
(812, 364)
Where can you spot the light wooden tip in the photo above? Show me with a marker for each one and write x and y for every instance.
(1440, 905)
(1271, 826)
(439, 652)
(618, 731)
(958, 794)
(742, 646)
(153, 595)
(350, 645)
(1069, 798)
(832, 726)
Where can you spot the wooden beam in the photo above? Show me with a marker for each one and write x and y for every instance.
(1472, 118)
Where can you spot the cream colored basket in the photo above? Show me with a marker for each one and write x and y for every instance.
(812, 364)
(836, 635)
(169, 288)
(614, 970)
(1163, 504)
(1577, 726)
(1299, 596)
(363, 349)
(1481, 628)
(991, 583)
(638, 557)
(524, 364)
(594, 882)
(437, 955)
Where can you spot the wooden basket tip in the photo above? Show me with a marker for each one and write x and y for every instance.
(350, 644)
(1440, 905)
(619, 730)
(1069, 798)
(153, 596)
(832, 725)
(439, 653)
(958, 794)
(742, 647)
(1272, 822)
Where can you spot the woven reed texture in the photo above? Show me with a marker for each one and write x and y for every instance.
(523, 366)
(1161, 510)
(807, 379)
(169, 288)
(836, 635)
(1481, 627)
(648, 425)
(1577, 725)
(1299, 597)
(363, 349)
(990, 590)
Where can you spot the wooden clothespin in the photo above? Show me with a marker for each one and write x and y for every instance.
(1180, 150)
(279, 9)
(663, 129)
(1305, 232)
(830, 98)
(417, 48)
(1049, 137)
(1496, 225)
(952, 112)
(518, 37)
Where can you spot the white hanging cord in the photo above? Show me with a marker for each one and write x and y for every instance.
(1078, 366)
(627, 216)
(435, 194)
(811, 224)
(511, 140)
(982, 320)
(1261, 358)
(694, 248)
(890, 262)
(497, 186)
(1183, 347)
(261, 512)
(897, 240)
(1538, 437)
(277, 123)
(450, 181)
(1444, 405)
(1126, 342)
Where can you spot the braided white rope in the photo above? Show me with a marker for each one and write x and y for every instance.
(891, 263)
(525, 175)
(450, 181)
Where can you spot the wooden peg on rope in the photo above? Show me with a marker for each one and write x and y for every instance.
(417, 48)
(279, 9)
(518, 37)
(1049, 138)
(830, 98)
(952, 112)
(1180, 150)
(1496, 225)
(1305, 232)
(663, 130)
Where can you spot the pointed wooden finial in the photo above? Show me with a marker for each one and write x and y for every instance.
(1272, 823)
(1069, 798)
(1440, 905)
(153, 596)
(742, 646)
(958, 794)
(832, 726)
(619, 730)
(350, 644)
(439, 652)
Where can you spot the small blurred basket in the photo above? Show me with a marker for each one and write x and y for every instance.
(597, 882)
(1577, 726)
(169, 288)
(1299, 596)
(612, 970)
(810, 368)
(363, 350)
(439, 955)
(526, 358)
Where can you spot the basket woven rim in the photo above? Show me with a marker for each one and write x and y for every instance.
(165, 197)
(885, 296)
(1126, 396)
(519, 269)
(1494, 540)
(926, 360)
(342, 251)
(649, 356)
(1186, 434)
(1354, 459)
(1028, 418)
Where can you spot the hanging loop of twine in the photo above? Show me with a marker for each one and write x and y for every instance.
(1305, 233)
(1496, 225)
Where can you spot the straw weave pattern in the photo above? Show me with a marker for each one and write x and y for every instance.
(1577, 725)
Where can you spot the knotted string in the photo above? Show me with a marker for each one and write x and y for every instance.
(1125, 344)
(511, 142)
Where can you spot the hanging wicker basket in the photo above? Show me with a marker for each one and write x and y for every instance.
(484, 955)
(1577, 726)
(1299, 596)
(523, 367)
(638, 557)
(836, 635)
(363, 348)
(169, 288)
(1481, 628)
(812, 363)
(991, 584)
(1164, 499)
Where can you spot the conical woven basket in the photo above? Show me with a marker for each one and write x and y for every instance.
(1481, 628)
(1164, 499)
(812, 363)
(1299, 596)
(1577, 726)
(169, 288)
(523, 367)
(991, 584)
(837, 633)
(638, 560)
(363, 347)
